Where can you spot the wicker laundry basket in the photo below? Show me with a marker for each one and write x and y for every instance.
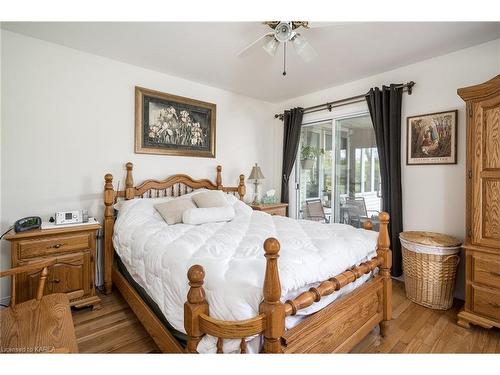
(430, 264)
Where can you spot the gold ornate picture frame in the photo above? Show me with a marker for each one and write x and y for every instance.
(167, 124)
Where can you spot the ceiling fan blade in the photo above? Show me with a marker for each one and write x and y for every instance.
(239, 54)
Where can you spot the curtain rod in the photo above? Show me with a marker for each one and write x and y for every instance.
(407, 87)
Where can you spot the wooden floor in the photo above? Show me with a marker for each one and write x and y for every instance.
(415, 329)
(112, 329)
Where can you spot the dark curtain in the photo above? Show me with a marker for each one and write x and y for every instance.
(292, 121)
(385, 111)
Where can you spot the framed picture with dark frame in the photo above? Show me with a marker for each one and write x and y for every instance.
(168, 124)
(432, 138)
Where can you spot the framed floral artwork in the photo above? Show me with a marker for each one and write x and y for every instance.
(432, 138)
(173, 125)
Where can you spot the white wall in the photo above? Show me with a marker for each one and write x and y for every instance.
(68, 118)
(433, 196)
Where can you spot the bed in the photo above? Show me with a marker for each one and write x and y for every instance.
(329, 296)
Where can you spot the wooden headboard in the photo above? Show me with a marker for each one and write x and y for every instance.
(173, 186)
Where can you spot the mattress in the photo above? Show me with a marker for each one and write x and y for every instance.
(157, 256)
(179, 336)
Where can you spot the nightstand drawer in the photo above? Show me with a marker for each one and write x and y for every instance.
(486, 270)
(71, 275)
(486, 302)
(272, 208)
(54, 245)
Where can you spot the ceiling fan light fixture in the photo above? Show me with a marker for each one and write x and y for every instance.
(303, 48)
(283, 32)
(271, 45)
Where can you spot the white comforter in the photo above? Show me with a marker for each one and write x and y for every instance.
(158, 255)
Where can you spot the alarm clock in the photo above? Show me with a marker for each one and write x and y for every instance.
(27, 223)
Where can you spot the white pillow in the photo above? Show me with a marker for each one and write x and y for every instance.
(215, 198)
(197, 216)
(173, 210)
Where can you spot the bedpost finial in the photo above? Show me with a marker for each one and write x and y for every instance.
(109, 194)
(384, 217)
(196, 294)
(194, 307)
(384, 241)
(242, 189)
(196, 275)
(368, 225)
(271, 247)
(129, 182)
(218, 179)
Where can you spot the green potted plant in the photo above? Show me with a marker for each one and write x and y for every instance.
(308, 156)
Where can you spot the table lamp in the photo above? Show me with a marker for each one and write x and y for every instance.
(256, 175)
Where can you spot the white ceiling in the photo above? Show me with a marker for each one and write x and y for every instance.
(206, 51)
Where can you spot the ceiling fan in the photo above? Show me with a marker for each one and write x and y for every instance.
(284, 32)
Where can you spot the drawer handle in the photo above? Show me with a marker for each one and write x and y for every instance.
(497, 305)
(57, 246)
(55, 281)
(495, 273)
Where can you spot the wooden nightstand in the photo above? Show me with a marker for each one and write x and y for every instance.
(273, 209)
(74, 249)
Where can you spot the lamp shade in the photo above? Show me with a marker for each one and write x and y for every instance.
(271, 45)
(303, 48)
(256, 173)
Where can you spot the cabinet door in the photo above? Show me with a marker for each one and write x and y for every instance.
(485, 173)
(70, 275)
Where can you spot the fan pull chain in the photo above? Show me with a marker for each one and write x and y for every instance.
(284, 59)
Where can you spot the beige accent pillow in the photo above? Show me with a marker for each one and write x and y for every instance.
(214, 198)
(172, 211)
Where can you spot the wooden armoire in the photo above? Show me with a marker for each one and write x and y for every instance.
(482, 243)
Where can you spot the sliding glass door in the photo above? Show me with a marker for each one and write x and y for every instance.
(314, 163)
(338, 172)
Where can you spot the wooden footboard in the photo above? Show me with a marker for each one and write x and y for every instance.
(341, 325)
(336, 328)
